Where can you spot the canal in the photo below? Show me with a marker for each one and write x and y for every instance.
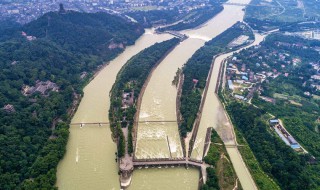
(89, 162)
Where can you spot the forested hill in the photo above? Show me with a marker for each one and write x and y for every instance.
(85, 32)
(42, 71)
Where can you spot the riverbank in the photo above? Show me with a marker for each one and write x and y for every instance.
(86, 165)
(198, 71)
(221, 124)
(88, 173)
(139, 100)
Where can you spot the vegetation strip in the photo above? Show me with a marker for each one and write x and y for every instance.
(44, 66)
(197, 68)
(221, 174)
(128, 86)
(288, 166)
(196, 18)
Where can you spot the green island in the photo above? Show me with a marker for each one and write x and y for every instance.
(127, 88)
(277, 79)
(44, 66)
(221, 174)
(195, 18)
(196, 70)
(156, 17)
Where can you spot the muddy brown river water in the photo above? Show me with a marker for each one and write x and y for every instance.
(89, 162)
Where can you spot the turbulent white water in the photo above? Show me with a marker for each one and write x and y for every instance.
(89, 162)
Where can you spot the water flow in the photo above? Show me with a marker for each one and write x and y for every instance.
(89, 162)
(155, 140)
(213, 115)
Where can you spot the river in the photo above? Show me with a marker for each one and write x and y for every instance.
(161, 139)
(213, 115)
(89, 162)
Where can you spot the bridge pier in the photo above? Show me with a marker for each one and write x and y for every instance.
(125, 178)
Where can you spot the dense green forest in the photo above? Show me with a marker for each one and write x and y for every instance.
(154, 17)
(131, 78)
(197, 67)
(270, 15)
(221, 174)
(186, 19)
(195, 18)
(298, 111)
(97, 31)
(290, 170)
(34, 134)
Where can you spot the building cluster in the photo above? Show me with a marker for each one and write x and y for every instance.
(313, 34)
(285, 135)
(127, 99)
(29, 38)
(42, 87)
(9, 108)
(242, 81)
(244, 78)
(315, 79)
(24, 11)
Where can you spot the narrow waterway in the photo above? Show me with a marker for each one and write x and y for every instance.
(89, 162)
(161, 140)
(177, 178)
(156, 140)
(213, 115)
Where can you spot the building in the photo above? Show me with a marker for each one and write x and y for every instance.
(9, 108)
(274, 121)
(230, 84)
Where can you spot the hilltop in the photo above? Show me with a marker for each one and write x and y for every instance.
(43, 67)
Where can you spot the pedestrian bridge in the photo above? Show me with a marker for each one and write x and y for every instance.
(107, 123)
(244, 5)
(166, 162)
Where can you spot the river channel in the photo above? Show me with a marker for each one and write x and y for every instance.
(213, 115)
(89, 162)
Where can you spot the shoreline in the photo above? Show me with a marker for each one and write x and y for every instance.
(139, 99)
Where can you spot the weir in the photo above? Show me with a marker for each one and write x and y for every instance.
(129, 163)
(126, 172)
(96, 168)
(242, 5)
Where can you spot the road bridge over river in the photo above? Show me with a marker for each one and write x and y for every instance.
(244, 5)
(107, 123)
(128, 163)
(165, 162)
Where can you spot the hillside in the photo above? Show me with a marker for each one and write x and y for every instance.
(42, 72)
(85, 33)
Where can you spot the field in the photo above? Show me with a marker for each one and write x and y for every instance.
(273, 13)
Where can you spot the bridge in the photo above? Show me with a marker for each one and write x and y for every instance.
(107, 123)
(233, 145)
(244, 5)
(167, 162)
(159, 162)
(177, 34)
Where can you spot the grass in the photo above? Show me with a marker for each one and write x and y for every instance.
(227, 176)
(219, 159)
(145, 8)
(316, 97)
(295, 103)
(262, 180)
(283, 10)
